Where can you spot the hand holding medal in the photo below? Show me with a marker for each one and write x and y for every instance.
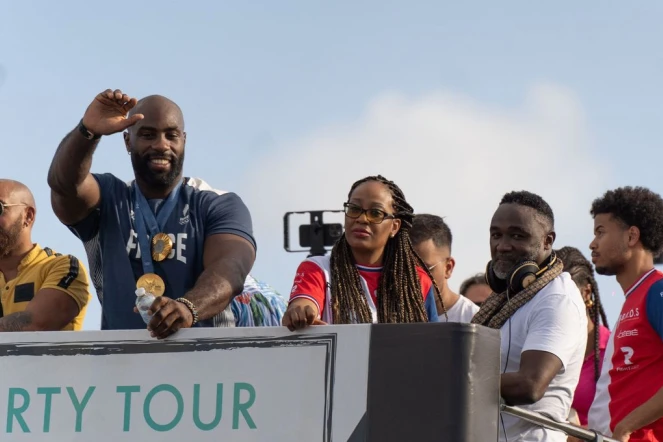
(152, 283)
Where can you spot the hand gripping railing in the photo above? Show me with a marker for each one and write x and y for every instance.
(571, 430)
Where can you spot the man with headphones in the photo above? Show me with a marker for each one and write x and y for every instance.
(540, 313)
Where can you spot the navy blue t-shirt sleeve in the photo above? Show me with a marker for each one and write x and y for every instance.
(655, 307)
(88, 228)
(431, 308)
(227, 213)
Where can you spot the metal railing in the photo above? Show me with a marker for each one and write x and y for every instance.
(571, 430)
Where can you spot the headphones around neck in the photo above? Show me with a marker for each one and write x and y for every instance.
(519, 277)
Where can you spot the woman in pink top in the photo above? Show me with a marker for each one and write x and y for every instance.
(582, 272)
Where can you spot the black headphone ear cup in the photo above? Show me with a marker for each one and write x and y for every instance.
(522, 276)
(496, 285)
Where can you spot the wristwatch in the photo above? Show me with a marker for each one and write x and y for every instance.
(86, 133)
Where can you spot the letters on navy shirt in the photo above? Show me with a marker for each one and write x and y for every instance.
(111, 243)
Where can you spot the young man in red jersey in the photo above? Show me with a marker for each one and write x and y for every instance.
(628, 233)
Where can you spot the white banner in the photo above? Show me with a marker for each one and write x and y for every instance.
(237, 384)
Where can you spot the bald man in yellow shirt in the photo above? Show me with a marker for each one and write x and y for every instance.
(40, 290)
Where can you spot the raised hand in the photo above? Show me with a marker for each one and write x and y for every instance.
(107, 114)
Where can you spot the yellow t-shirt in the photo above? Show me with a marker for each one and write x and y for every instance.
(45, 269)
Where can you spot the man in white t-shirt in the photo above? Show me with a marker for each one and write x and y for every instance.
(431, 239)
(540, 314)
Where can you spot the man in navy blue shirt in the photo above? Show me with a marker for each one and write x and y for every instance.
(170, 234)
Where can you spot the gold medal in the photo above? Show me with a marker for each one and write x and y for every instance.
(161, 246)
(152, 283)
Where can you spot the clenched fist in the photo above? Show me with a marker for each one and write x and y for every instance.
(301, 313)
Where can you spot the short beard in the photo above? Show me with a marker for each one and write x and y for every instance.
(617, 265)
(504, 272)
(10, 238)
(605, 271)
(158, 180)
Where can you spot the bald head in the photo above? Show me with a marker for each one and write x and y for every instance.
(159, 135)
(155, 106)
(15, 192)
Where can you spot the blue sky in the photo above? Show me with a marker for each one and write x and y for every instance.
(287, 103)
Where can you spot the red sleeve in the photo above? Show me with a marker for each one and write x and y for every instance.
(425, 281)
(310, 284)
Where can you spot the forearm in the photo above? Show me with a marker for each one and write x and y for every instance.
(645, 414)
(517, 389)
(16, 322)
(71, 163)
(216, 287)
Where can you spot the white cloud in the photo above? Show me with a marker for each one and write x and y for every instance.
(451, 155)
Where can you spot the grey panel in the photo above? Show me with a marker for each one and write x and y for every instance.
(433, 382)
(359, 433)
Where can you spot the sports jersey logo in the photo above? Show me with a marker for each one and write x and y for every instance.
(631, 314)
(627, 333)
(628, 354)
(185, 215)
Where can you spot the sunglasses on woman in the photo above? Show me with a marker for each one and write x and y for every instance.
(374, 216)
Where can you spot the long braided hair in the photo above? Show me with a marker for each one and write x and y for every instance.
(582, 272)
(399, 289)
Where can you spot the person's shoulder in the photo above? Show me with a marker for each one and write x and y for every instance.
(604, 336)
(112, 187)
(53, 256)
(200, 188)
(654, 300)
(563, 286)
(108, 178)
(253, 287)
(426, 282)
(562, 293)
(423, 275)
(320, 262)
(56, 264)
(203, 194)
(656, 289)
(468, 304)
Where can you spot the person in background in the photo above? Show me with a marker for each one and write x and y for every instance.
(628, 233)
(40, 289)
(540, 314)
(431, 238)
(598, 333)
(175, 236)
(476, 289)
(372, 274)
(259, 305)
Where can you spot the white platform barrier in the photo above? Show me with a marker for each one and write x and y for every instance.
(423, 382)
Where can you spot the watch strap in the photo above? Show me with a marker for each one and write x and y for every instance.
(86, 132)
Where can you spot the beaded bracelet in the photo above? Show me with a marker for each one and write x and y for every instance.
(191, 307)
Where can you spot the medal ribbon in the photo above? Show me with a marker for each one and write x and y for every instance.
(145, 218)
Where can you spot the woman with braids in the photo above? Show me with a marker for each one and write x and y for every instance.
(373, 273)
(582, 272)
